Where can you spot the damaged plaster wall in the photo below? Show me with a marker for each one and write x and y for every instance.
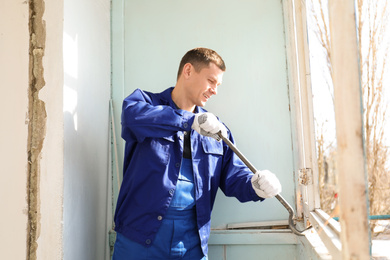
(56, 196)
(37, 122)
(14, 66)
(45, 135)
(41, 215)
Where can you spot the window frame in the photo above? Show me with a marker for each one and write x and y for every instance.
(303, 131)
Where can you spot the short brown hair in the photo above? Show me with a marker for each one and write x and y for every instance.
(200, 58)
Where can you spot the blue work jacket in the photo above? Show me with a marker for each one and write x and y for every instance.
(153, 129)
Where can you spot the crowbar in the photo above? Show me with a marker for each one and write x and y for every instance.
(290, 210)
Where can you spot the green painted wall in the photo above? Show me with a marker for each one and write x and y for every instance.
(150, 37)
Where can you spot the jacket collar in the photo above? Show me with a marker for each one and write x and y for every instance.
(166, 97)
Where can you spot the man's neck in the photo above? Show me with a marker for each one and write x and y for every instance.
(180, 100)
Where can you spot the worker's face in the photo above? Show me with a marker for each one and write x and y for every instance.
(203, 84)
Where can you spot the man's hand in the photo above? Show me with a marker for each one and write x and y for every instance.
(207, 124)
(266, 184)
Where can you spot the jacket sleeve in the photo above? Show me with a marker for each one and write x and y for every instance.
(142, 118)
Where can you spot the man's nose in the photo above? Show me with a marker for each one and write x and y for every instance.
(213, 90)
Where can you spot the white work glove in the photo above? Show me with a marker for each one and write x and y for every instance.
(208, 124)
(266, 184)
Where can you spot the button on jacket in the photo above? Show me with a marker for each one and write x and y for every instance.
(153, 129)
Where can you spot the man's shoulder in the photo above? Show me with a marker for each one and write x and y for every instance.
(149, 96)
(162, 98)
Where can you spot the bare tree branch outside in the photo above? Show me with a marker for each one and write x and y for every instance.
(373, 32)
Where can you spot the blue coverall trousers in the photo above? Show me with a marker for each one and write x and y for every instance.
(178, 236)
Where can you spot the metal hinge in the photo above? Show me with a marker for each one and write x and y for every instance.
(305, 176)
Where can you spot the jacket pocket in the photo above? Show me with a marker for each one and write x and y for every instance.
(160, 150)
(212, 146)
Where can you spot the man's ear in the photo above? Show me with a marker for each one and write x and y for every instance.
(187, 70)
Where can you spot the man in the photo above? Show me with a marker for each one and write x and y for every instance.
(174, 164)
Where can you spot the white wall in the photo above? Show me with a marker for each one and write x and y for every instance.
(51, 165)
(86, 38)
(13, 131)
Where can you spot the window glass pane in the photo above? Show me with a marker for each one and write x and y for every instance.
(323, 103)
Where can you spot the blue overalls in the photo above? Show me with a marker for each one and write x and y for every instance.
(177, 237)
